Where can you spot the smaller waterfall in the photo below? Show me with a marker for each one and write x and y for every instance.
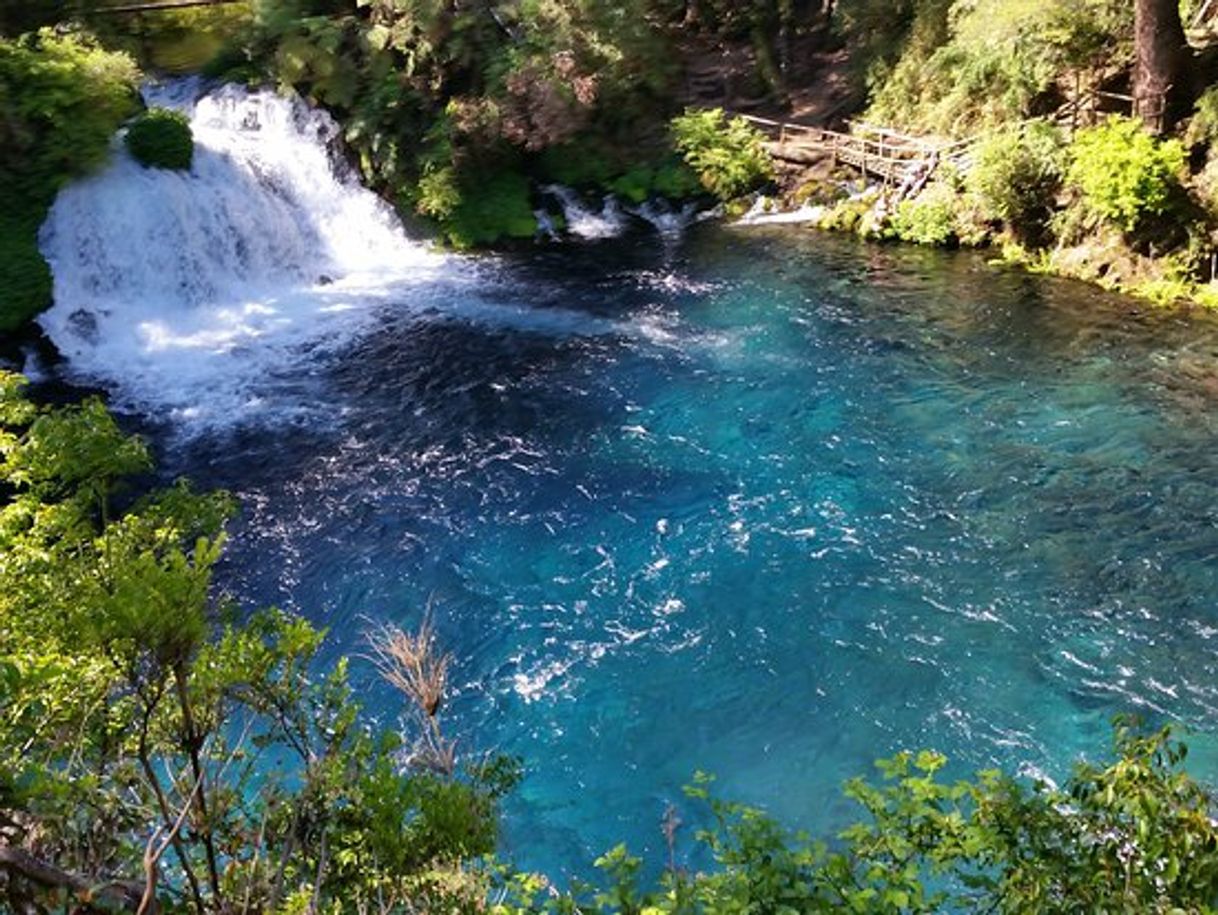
(612, 219)
(764, 213)
(669, 220)
(585, 222)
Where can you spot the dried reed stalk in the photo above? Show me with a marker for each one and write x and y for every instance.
(411, 662)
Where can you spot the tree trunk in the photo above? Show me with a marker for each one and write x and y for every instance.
(1161, 87)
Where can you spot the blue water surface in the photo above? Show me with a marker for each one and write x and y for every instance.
(764, 503)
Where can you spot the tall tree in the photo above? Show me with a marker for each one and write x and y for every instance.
(1160, 81)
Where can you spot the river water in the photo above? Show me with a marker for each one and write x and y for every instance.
(756, 501)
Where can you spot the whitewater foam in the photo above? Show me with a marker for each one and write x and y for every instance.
(585, 222)
(189, 294)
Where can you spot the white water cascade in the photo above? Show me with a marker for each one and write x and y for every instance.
(583, 221)
(188, 294)
(764, 212)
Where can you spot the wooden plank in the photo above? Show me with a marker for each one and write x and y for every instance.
(162, 5)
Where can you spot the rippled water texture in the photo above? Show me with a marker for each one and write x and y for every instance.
(767, 504)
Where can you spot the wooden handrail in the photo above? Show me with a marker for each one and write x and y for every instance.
(151, 7)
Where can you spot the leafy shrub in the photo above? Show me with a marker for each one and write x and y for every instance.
(487, 211)
(161, 138)
(929, 218)
(61, 99)
(1124, 173)
(727, 154)
(1017, 174)
(438, 193)
(1131, 836)
(1203, 128)
(305, 797)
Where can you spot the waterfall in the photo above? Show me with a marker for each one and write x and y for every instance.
(611, 220)
(668, 219)
(188, 294)
(765, 213)
(585, 222)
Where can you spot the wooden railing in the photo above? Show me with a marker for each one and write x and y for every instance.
(908, 161)
(153, 5)
(887, 154)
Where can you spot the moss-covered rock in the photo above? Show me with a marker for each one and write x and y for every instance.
(25, 278)
(161, 138)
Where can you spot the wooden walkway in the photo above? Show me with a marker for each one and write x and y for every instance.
(908, 162)
(153, 5)
(895, 158)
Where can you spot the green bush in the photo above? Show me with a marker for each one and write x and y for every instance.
(929, 218)
(61, 99)
(161, 138)
(1203, 128)
(1134, 835)
(1125, 174)
(1017, 174)
(493, 209)
(727, 154)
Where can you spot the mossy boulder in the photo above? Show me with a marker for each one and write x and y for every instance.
(25, 278)
(161, 138)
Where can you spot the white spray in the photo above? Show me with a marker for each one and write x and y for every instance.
(189, 293)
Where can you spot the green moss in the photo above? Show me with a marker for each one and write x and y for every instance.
(674, 179)
(635, 185)
(578, 164)
(160, 138)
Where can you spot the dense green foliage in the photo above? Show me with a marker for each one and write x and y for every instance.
(439, 97)
(156, 740)
(727, 154)
(1024, 86)
(61, 98)
(160, 138)
(474, 212)
(1124, 173)
(960, 66)
(1134, 836)
(1017, 174)
(929, 218)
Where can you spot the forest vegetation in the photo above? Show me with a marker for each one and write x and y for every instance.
(459, 113)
